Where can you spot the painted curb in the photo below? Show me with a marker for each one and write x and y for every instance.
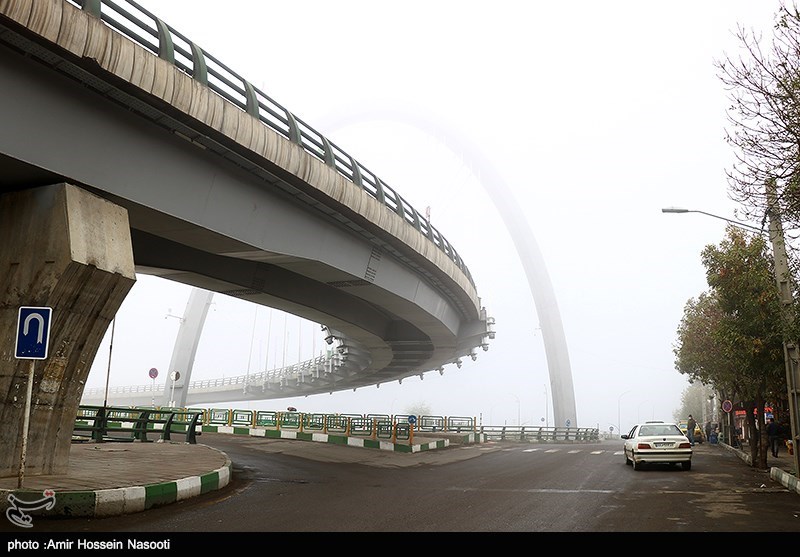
(119, 501)
(335, 439)
(779, 475)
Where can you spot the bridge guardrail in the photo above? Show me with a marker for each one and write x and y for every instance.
(251, 379)
(398, 426)
(133, 21)
(106, 423)
(139, 421)
(539, 434)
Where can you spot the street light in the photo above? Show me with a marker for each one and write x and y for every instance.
(619, 421)
(546, 407)
(519, 421)
(734, 222)
(791, 353)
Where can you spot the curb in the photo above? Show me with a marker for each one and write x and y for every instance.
(779, 475)
(117, 501)
(328, 438)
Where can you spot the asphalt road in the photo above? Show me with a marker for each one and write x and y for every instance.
(296, 486)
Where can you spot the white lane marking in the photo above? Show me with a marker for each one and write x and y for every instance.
(557, 491)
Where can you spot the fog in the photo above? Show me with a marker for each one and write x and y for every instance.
(593, 114)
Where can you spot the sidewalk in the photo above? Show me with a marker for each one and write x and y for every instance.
(105, 479)
(781, 468)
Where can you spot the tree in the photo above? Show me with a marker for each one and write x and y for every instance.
(763, 85)
(701, 353)
(731, 337)
(764, 89)
(694, 401)
(419, 408)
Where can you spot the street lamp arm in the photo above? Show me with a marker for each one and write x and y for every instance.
(733, 222)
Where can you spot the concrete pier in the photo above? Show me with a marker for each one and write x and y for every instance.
(68, 249)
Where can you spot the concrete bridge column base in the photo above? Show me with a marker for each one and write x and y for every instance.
(64, 248)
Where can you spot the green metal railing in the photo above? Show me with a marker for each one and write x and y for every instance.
(398, 426)
(108, 423)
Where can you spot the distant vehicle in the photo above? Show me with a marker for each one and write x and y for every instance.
(657, 443)
(699, 436)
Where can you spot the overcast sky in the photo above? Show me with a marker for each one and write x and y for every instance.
(596, 114)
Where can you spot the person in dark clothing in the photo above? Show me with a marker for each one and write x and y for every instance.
(773, 437)
(690, 427)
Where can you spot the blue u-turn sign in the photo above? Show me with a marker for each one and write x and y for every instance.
(33, 333)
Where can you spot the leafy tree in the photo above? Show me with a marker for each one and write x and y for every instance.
(419, 409)
(700, 353)
(731, 337)
(695, 401)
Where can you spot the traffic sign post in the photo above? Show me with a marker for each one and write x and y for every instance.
(33, 333)
(153, 374)
(33, 336)
(175, 375)
(727, 406)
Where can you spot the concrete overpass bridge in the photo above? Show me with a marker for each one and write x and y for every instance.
(125, 148)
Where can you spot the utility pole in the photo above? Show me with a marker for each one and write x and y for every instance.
(791, 355)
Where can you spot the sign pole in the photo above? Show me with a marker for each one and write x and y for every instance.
(175, 375)
(108, 371)
(153, 374)
(33, 337)
(26, 425)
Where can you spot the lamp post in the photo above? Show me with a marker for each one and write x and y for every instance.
(519, 419)
(619, 421)
(546, 407)
(791, 353)
(734, 222)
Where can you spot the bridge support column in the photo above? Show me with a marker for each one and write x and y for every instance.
(67, 249)
(194, 317)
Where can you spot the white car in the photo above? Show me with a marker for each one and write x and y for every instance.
(657, 443)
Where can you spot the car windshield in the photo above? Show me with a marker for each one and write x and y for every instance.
(659, 429)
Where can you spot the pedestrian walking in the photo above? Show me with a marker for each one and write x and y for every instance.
(773, 437)
(690, 427)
